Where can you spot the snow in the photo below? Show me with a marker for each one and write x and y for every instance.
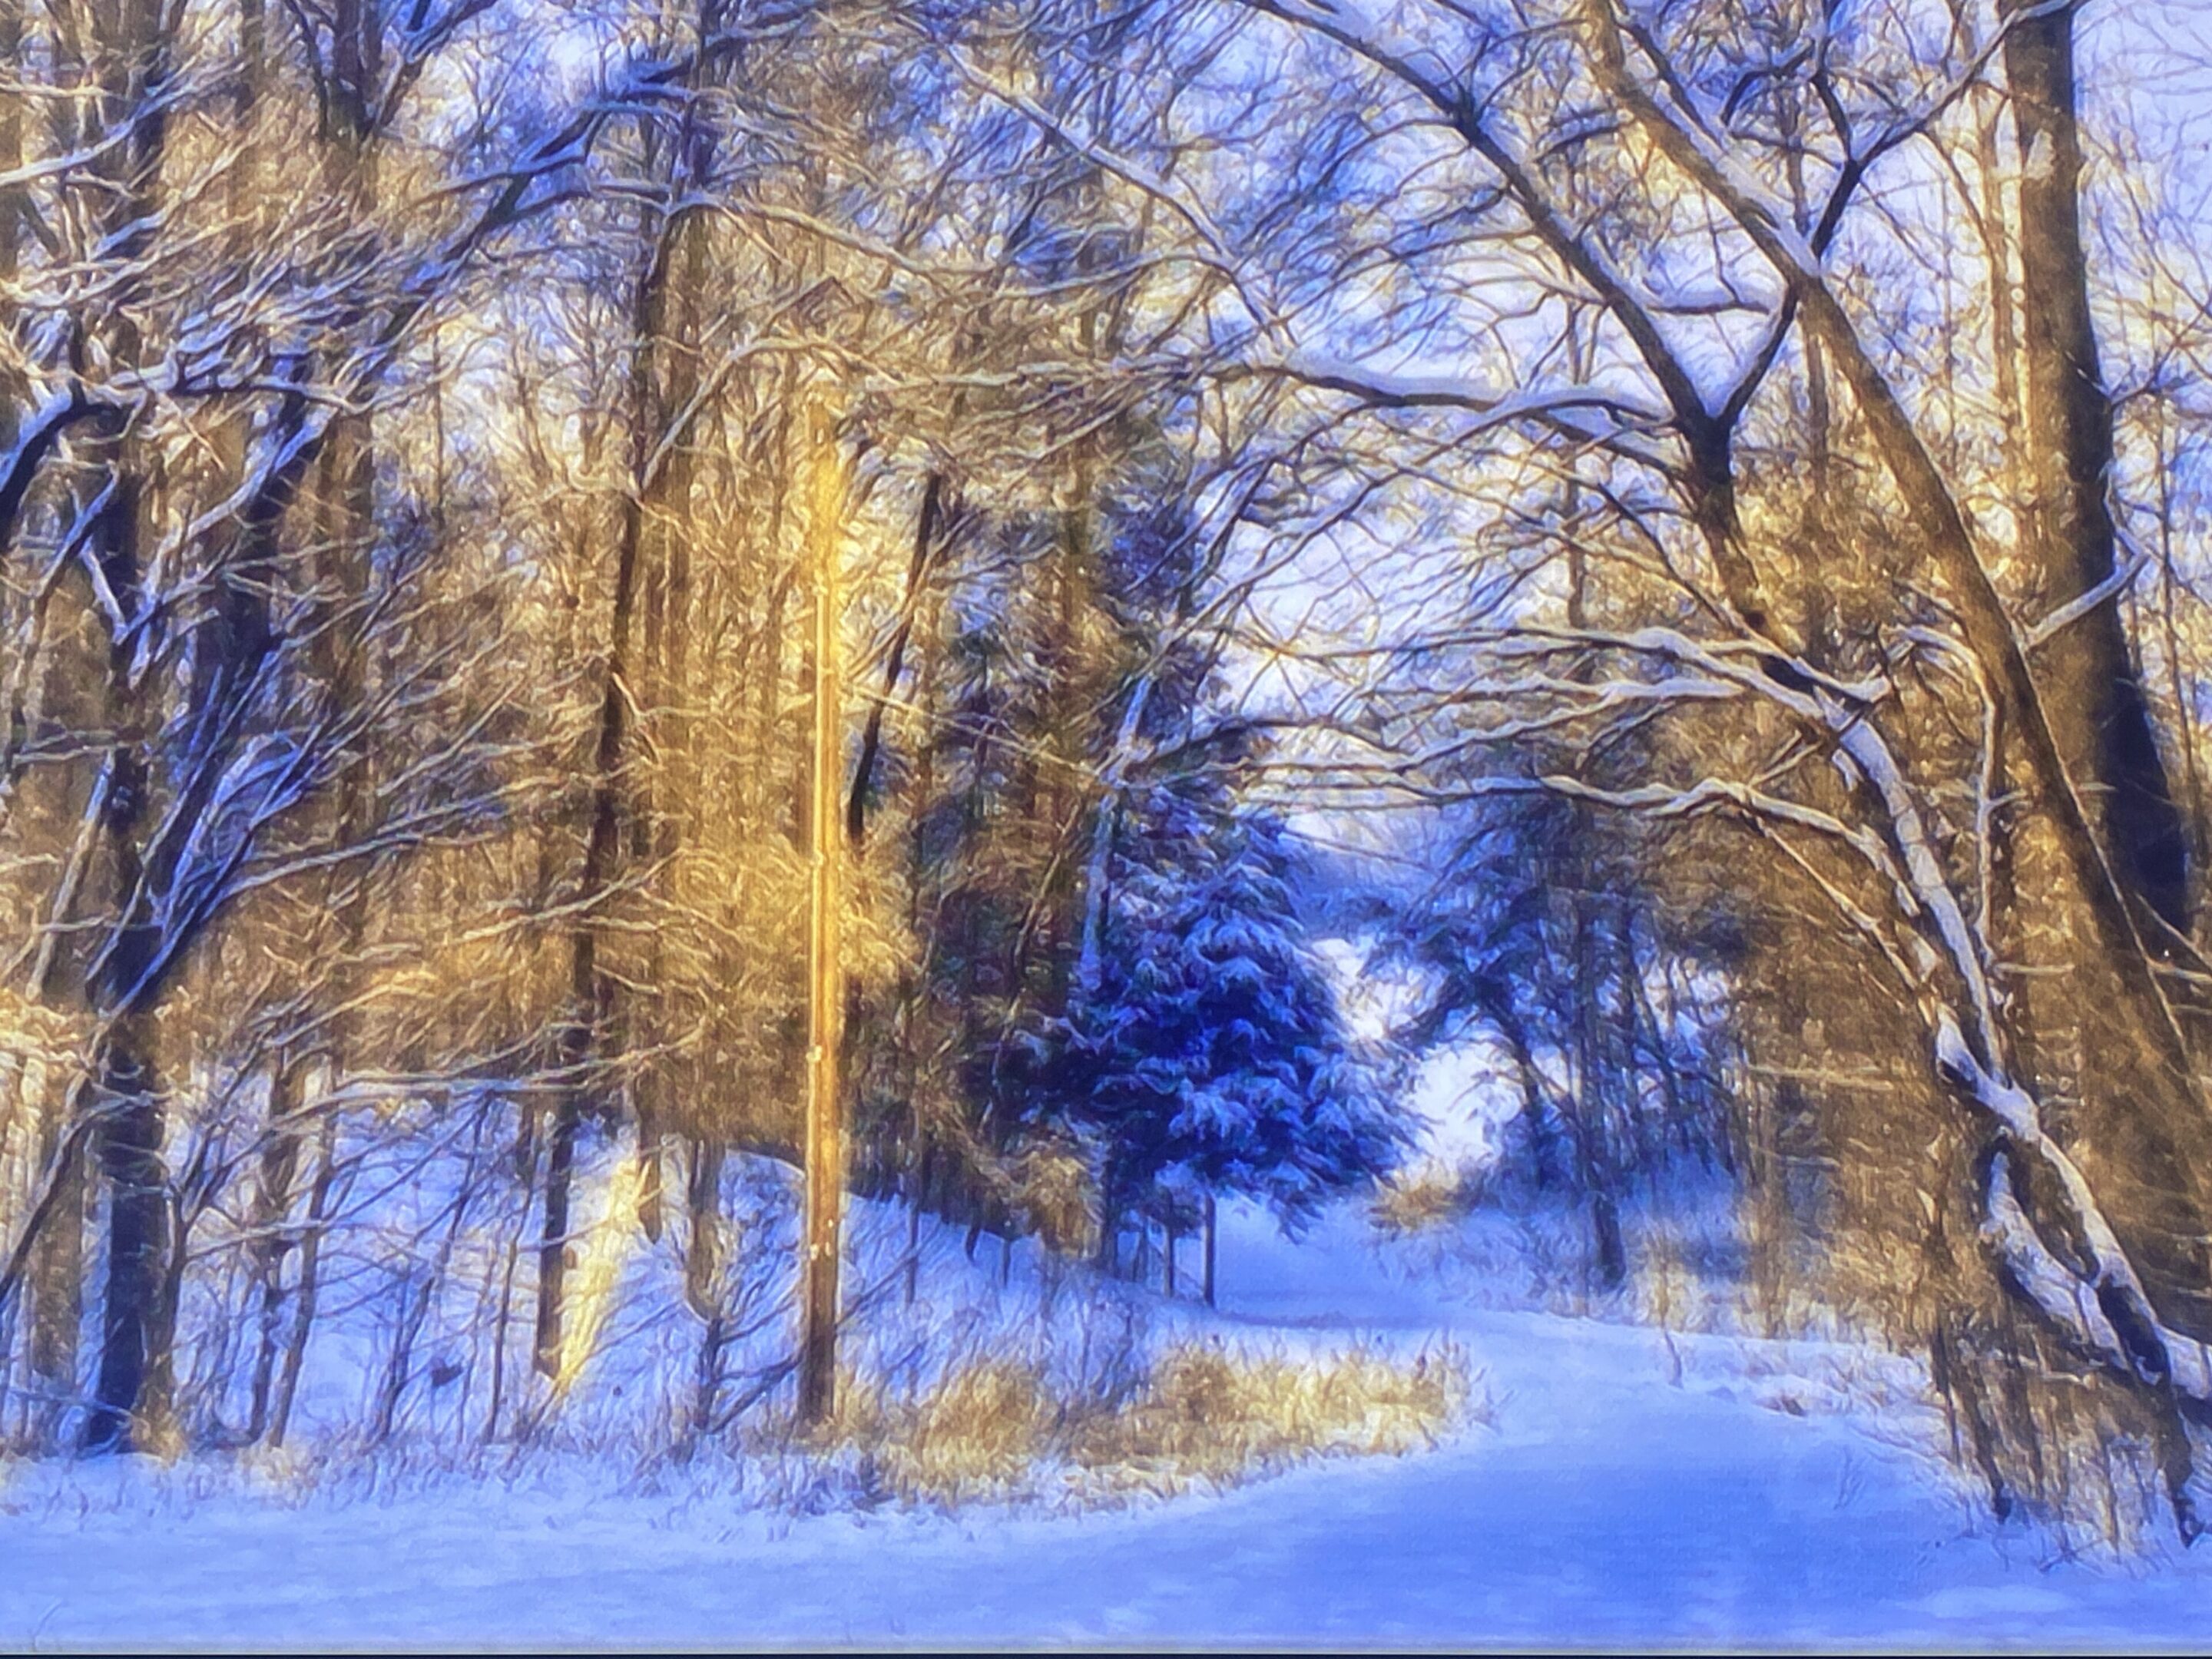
(1776, 1494)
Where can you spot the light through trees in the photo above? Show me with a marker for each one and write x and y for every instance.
(1668, 532)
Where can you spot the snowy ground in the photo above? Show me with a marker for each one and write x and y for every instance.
(1768, 1498)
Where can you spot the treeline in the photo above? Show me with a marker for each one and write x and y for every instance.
(1802, 408)
(423, 430)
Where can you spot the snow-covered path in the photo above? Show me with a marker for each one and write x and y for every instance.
(1609, 1505)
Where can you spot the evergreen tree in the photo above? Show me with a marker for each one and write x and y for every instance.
(1213, 1051)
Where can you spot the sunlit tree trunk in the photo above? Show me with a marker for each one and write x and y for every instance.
(825, 1128)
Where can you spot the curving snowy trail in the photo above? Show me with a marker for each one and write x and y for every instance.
(1743, 1505)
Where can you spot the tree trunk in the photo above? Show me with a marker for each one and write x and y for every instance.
(1206, 1254)
(129, 1403)
(2134, 1129)
(272, 1208)
(2099, 715)
(505, 1313)
(649, 1206)
(702, 1256)
(56, 1274)
(826, 1151)
(133, 62)
(304, 1294)
(553, 1246)
(1111, 1200)
(1594, 1162)
(915, 1201)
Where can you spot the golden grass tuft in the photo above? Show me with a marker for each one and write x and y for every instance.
(1419, 1201)
(1205, 1413)
(1213, 1414)
(980, 1432)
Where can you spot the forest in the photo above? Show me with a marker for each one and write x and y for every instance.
(624, 627)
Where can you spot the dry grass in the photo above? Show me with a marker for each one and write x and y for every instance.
(1205, 1413)
(979, 1433)
(1419, 1201)
(1211, 1414)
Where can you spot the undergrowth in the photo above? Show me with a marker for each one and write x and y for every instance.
(1201, 1414)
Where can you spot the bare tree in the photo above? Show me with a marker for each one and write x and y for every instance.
(1951, 747)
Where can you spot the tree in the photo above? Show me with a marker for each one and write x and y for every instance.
(1211, 1046)
(190, 455)
(1616, 344)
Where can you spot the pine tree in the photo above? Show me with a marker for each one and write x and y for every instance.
(1213, 1051)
